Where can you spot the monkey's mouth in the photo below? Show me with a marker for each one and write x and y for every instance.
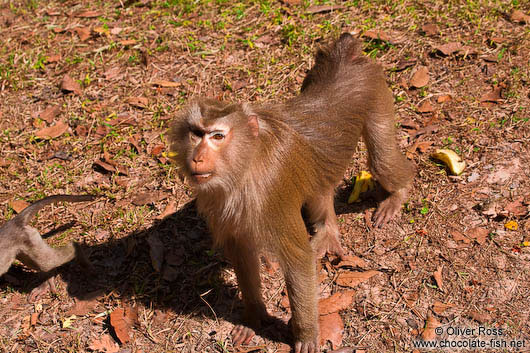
(201, 178)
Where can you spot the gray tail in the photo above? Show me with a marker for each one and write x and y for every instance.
(329, 58)
(29, 212)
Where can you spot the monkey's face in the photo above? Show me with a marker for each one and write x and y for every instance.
(213, 142)
(208, 146)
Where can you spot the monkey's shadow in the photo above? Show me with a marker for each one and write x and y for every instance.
(169, 266)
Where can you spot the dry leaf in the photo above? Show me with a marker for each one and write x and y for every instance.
(170, 84)
(336, 302)
(145, 198)
(156, 251)
(111, 73)
(456, 48)
(423, 146)
(291, 2)
(89, 14)
(481, 318)
(170, 274)
(420, 77)
(352, 279)
(124, 119)
(34, 318)
(121, 328)
(457, 236)
(81, 130)
(122, 319)
(519, 16)
(18, 205)
(127, 42)
(438, 278)
(501, 175)
(83, 33)
(82, 307)
(331, 329)
(430, 29)
(444, 98)
(492, 96)
(347, 350)
(449, 48)
(140, 102)
(69, 85)
(135, 141)
(404, 64)
(516, 208)
(479, 234)
(439, 307)
(352, 261)
(105, 345)
(112, 168)
(50, 113)
(53, 131)
(323, 8)
(53, 12)
(102, 31)
(157, 150)
(425, 107)
(377, 35)
(169, 210)
(116, 30)
(429, 333)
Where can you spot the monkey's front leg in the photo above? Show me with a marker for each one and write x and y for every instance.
(244, 257)
(298, 262)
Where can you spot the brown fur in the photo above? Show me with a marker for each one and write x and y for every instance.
(18, 240)
(260, 183)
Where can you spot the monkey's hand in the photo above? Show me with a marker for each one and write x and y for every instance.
(306, 347)
(389, 207)
(242, 335)
(254, 316)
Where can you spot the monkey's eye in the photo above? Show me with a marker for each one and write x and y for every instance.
(218, 136)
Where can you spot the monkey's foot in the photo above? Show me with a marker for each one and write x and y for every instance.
(389, 207)
(242, 335)
(42, 289)
(326, 242)
(306, 347)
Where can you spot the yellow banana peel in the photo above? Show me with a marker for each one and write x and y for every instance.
(363, 183)
(453, 161)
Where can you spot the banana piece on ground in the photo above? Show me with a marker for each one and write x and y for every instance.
(363, 183)
(453, 161)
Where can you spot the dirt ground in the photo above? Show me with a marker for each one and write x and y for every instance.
(87, 90)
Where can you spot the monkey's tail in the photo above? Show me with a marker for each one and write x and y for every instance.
(330, 58)
(27, 214)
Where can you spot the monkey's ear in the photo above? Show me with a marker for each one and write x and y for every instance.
(253, 124)
(252, 119)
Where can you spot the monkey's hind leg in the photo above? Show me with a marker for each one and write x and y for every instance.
(37, 254)
(322, 215)
(245, 259)
(388, 165)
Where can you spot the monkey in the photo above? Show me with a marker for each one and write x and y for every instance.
(18, 240)
(254, 167)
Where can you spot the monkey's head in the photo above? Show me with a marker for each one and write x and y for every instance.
(212, 142)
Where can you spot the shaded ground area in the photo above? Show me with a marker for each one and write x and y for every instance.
(87, 90)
